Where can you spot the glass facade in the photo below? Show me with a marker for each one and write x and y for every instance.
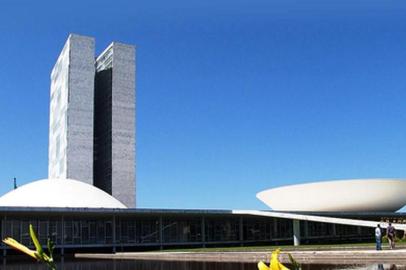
(70, 152)
(154, 229)
(256, 229)
(58, 121)
(181, 230)
(222, 229)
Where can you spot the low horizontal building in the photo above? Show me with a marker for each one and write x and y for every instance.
(110, 230)
(78, 217)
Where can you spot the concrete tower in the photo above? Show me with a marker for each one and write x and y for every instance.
(71, 111)
(92, 117)
(114, 122)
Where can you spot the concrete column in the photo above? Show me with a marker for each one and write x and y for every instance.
(296, 232)
(63, 236)
(203, 232)
(3, 228)
(114, 234)
(275, 228)
(161, 238)
(306, 229)
(241, 232)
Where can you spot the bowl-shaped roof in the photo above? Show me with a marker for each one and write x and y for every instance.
(59, 193)
(343, 195)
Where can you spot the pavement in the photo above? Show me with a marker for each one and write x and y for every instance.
(306, 256)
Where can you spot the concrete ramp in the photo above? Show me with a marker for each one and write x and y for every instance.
(315, 218)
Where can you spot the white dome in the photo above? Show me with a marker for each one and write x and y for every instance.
(59, 193)
(342, 195)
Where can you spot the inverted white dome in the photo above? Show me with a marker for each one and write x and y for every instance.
(342, 195)
(59, 193)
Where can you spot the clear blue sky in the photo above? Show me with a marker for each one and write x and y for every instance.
(233, 97)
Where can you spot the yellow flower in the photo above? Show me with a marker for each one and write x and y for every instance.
(16, 245)
(37, 254)
(262, 266)
(274, 264)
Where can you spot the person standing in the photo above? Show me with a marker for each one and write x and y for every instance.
(390, 233)
(378, 237)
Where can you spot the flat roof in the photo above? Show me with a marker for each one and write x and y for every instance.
(156, 211)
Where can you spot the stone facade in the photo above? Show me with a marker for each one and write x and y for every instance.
(115, 139)
(92, 117)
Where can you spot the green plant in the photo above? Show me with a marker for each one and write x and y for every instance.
(38, 253)
(293, 262)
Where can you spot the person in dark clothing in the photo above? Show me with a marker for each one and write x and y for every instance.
(390, 233)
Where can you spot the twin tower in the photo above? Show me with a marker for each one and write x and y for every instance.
(92, 117)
